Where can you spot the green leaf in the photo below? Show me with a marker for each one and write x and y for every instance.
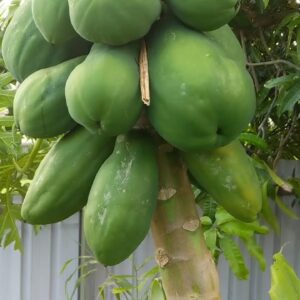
(253, 139)
(222, 216)
(9, 233)
(288, 99)
(5, 79)
(210, 237)
(285, 209)
(156, 291)
(234, 257)
(6, 121)
(279, 81)
(206, 221)
(285, 283)
(150, 273)
(285, 185)
(209, 207)
(261, 5)
(256, 251)
(267, 211)
(236, 229)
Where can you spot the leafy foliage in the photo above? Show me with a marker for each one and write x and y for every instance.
(143, 284)
(285, 283)
(269, 33)
(222, 233)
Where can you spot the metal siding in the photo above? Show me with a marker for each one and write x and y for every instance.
(35, 274)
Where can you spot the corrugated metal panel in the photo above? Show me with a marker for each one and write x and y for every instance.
(35, 275)
(256, 288)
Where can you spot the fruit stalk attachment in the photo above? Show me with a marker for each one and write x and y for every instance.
(144, 75)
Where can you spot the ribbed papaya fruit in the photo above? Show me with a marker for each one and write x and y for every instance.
(228, 41)
(229, 176)
(103, 92)
(62, 182)
(113, 22)
(25, 50)
(204, 15)
(122, 199)
(53, 20)
(201, 98)
(40, 108)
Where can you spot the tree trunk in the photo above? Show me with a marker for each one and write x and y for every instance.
(187, 268)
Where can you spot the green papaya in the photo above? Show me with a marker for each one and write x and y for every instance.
(122, 199)
(62, 181)
(228, 41)
(40, 108)
(113, 22)
(53, 20)
(103, 92)
(229, 176)
(204, 15)
(201, 97)
(25, 50)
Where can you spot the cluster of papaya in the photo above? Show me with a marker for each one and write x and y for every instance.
(77, 62)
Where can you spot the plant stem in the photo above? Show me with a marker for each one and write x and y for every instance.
(32, 155)
(274, 62)
(187, 268)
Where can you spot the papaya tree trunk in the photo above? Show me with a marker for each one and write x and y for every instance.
(187, 268)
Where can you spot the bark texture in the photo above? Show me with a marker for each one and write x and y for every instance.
(187, 268)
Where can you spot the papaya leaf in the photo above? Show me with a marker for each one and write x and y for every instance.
(288, 99)
(5, 79)
(261, 5)
(9, 232)
(146, 261)
(285, 185)
(267, 211)
(285, 284)
(222, 216)
(209, 207)
(156, 291)
(6, 121)
(206, 221)
(234, 257)
(210, 237)
(242, 229)
(254, 140)
(256, 251)
(285, 209)
(234, 228)
(147, 276)
(279, 81)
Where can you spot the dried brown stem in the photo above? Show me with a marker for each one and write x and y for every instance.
(144, 75)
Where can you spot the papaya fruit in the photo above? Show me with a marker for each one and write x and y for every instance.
(228, 175)
(122, 199)
(228, 41)
(62, 181)
(204, 15)
(25, 50)
(201, 97)
(103, 93)
(39, 106)
(113, 22)
(53, 20)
